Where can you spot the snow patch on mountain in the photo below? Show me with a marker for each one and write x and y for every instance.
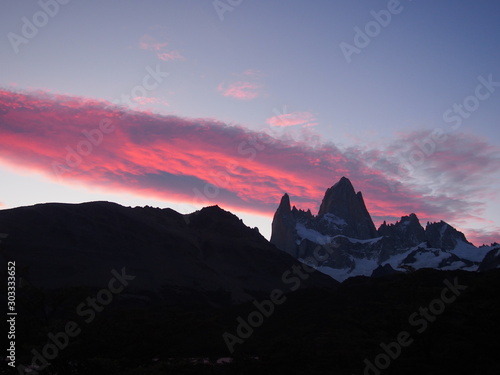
(311, 235)
(470, 252)
(334, 219)
(363, 267)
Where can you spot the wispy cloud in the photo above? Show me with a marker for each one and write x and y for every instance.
(248, 86)
(205, 162)
(143, 100)
(252, 73)
(172, 55)
(292, 119)
(148, 42)
(484, 236)
(240, 90)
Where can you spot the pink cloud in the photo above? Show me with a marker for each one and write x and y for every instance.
(252, 73)
(144, 100)
(148, 42)
(292, 119)
(483, 236)
(240, 90)
(172, 55)
(204, 161)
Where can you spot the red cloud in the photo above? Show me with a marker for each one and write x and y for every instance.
(240, 90)
(201, 161)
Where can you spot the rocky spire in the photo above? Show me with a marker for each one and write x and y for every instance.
(284, 204)
(342, 201)
(283, 227)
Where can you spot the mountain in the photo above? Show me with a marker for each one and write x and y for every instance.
(443, 235)
(283, 227)
(341, 201)
(406, 233)
(208, 256)
(491, 260)
(344, 233)
(190, 271)
(342, 212)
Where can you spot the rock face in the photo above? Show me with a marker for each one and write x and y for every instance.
(442, 235)
(342, 212)
(283, 227)
(406, 233)
(342, 201)
(491, 260)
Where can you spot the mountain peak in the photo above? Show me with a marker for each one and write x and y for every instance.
(283, 226)
(342, 201)
(285, 203)
(443, 235)
(407, 232)
(344, 181)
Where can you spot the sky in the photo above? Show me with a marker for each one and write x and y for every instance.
(191, 103)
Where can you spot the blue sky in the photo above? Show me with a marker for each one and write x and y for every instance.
(274, 66)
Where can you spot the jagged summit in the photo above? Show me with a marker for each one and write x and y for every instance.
(342, 212)
(406, 233)
(341, 192)
(283, 227)
(344, 223)
(342, 201)
(285, 203)
(443, 235)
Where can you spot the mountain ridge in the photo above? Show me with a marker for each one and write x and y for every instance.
(344, 221)
(208, 256)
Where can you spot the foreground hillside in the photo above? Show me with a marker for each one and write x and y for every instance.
(107, 289)
(208, 256)
(314, 331)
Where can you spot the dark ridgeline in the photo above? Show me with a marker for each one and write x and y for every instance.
(196, 274)
(208, 256)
